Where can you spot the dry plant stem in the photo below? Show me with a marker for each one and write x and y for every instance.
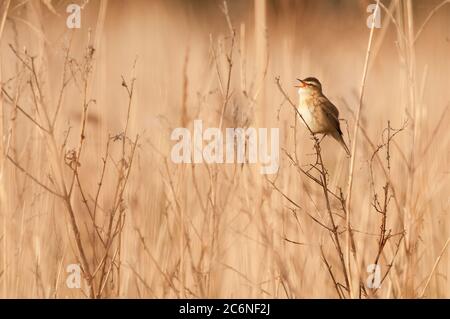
(56, 163)
(34, 179)
(432, 140)
(353, 150)
(428, 18)
(399, 30)
(335, 233)
(84, 114)
(88, 209)
(27, 115)
(130, 91)
(111, 259)
(110, 268)
(179, 212)
(229, 58)
(436, 263)
(158, 267)
(336, 284)
(381, 207)
(297, 205)
(412, 230)
(97, 195)
(64, 83)
(377, 45)
(3, 151)
(5, 14)
(115, 230)
(375, 149)
(309, 175)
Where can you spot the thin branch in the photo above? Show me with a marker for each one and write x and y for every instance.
(28, 116)
(34, 179)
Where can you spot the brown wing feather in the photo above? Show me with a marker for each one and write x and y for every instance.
(332, 114)
(331, 111)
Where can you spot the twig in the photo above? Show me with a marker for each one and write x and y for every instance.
(336, 285)
(33, 178)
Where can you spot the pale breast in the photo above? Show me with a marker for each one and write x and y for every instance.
(305, 111)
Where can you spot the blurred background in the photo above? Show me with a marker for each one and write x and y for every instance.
(224, 231)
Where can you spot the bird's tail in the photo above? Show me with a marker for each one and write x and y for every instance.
(338, 137)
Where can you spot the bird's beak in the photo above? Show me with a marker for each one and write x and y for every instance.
(301, 84)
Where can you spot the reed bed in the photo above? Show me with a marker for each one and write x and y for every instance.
(86, 176)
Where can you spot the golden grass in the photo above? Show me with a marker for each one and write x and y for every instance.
(86, 175)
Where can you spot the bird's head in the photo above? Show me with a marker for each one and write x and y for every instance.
(309, 85)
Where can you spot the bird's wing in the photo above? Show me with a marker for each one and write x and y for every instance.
(331, 111)
(329, 107)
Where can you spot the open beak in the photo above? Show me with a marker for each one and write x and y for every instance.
(301, 84)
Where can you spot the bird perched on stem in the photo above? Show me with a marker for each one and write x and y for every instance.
(320, 115)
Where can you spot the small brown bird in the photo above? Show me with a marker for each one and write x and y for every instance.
(318, 112)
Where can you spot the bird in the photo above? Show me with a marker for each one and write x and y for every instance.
(318, 113)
